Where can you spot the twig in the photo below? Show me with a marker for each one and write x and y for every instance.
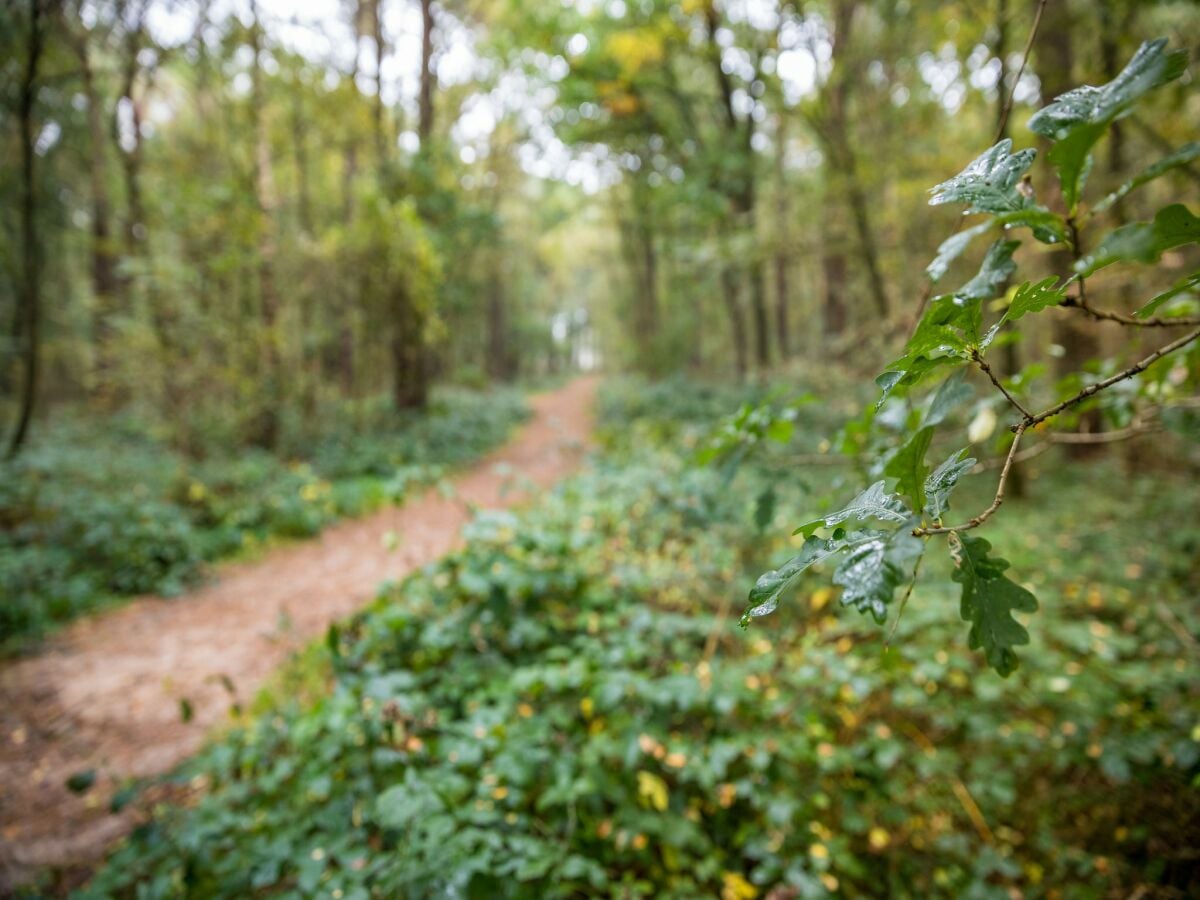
(1108, 382)
(1037, 21)
(987, 513)
(987, 370)
(912, 583)
(970, 807)
(1122, 319)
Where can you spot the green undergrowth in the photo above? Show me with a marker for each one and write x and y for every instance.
(566, 707)
(93, 511)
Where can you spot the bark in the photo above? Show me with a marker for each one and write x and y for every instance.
(131, 156)
(739, 189)
(499, 360)
(833, 265)
(1075, 334)
(411, 361)
(381, 139)
(103, 269)
(1011, 354)
(303, 177)
(425, 98)
(782, 287)
(266, 431)
(31, 276)
(835, 135)
(737, 323)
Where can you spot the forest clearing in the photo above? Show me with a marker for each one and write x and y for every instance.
(744, 449)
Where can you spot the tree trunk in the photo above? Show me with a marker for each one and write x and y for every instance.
(31, 276)
(782, 246)
(838, 143)
(425, 99)
(833, 265)
(1011, 354)
(411, 358)
(381, 141)
(499, 359)
(104, 284)
(266, 432)
(1074, 333)
(737, 323)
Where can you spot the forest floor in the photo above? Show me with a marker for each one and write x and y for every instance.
(132, 693)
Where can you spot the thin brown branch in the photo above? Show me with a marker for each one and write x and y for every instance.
(999, 499)
(1107, 315)
(987, 370)
(1002, 125)
(1098, 386)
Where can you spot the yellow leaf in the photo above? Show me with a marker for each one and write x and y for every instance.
(735, 887)
(652, 791)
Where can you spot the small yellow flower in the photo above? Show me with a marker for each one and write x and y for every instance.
(878, 838)
(818, 851)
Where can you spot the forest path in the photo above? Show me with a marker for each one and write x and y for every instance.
(106, 693)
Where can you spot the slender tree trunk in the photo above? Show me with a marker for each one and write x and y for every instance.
(783, 244)
(737, 323)
(267, 426)
(31, 275)
(833, 265)
(410, 357)
(381, 139)
(1074, 334)
(835, 135)
(104, 284)
(499, 364)
(425, 97)
(1011, 354)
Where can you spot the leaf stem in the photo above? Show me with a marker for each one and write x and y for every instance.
(999, 498)
(987, 370)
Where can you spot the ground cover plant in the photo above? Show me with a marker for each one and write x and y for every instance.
(87, 517)
(566, 708)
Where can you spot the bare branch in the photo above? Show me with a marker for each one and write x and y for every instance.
(1106, 315)
(987, 370)
(999, 499)
(1098, 386)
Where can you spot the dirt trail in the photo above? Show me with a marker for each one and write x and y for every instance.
(106, 693)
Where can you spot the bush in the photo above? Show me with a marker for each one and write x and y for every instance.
(564, 708)
(87, 515)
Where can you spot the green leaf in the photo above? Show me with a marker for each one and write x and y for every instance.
(989, 598)
(952, 248)
(990, 182)
(1144, 242)
(81, 782)
(1191, 282)
(871, 572)
(873, 503)
(997, 268)
(1180, 157)
(1047, 227)
(1078, 118)
(908, 467)
(1034, 296)
(942, 481)
(1030, 297)
(404, 805)
(764, 508)
(953, 392)
(764, 596)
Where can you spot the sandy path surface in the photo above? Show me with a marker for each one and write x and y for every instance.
(106, 693)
